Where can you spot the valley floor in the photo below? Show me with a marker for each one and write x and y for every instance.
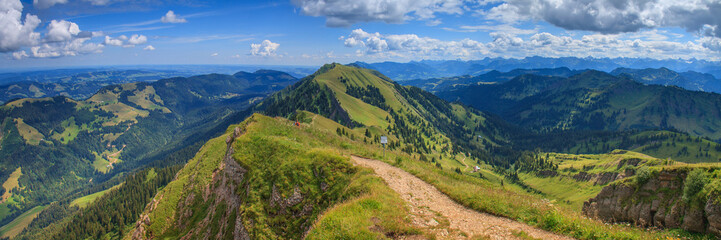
(434, 211)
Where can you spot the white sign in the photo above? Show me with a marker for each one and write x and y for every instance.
(384, 139)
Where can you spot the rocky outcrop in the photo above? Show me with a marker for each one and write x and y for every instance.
(602, 178)
(223, 201)
(655, 203)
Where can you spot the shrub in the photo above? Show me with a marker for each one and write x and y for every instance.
(695, 181)
(643, 174)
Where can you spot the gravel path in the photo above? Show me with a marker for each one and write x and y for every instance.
(437, 213)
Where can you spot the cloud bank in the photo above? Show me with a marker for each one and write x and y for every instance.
(610, 17)
(344, 13)
(411, 46)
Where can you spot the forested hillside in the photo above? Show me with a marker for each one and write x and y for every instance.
(52, 147)
(595, 101)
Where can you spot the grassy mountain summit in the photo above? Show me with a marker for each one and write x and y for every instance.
(414, 120)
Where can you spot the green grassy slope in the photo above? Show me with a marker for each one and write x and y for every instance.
(279, 162)
(270, 147)
(415, 121)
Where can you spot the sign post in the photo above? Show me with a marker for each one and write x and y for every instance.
(384, 141)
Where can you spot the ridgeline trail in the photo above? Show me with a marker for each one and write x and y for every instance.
(436, 213)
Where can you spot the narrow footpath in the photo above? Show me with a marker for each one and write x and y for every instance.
(438, 214)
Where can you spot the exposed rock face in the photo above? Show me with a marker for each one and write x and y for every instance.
(656, 203)
(601, 178)
(220, 191)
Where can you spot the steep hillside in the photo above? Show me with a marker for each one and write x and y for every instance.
(595, 101)
(663, 197)
(268, 179)
(63, 145)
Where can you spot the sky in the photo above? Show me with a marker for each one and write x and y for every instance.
(66, 33)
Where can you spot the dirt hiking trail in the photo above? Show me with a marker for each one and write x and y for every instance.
(436, 213)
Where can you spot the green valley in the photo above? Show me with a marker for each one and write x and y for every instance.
(65, 145)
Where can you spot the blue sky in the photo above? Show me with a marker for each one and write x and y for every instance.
(62, 33)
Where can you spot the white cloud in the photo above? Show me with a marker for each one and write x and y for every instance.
(113, 41)
(170, 17)
(73, 47)
(137, 39)
(61, 31)
(713, 44)
(266, 48)
(63, 38)
(41, 4)
(20, 55)
(344, 13)
(614, 16)
(125, 41)
(149, 48)
(411, 46)
(214, 55)
(14, 32)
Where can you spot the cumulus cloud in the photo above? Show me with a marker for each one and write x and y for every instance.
(149, 48)
(63, 38)
(126, 41)
(20, 55)
(137, 39)
(41, 4)
(113, 41)
(170, 17)
(60, 31)
(73, 47)
(344, 13)
(265, 48)
(14, 31)
(411, 46)
(610, 17)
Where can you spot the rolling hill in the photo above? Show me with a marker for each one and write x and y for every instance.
(595, 101)
(60, 145)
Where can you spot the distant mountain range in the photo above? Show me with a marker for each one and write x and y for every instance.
(689, 80)
(437, 69)
(594, 100)
(81, 83)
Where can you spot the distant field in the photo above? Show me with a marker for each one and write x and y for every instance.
(30, 134)
(11, 183)
(88, 199)
(16, 226)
